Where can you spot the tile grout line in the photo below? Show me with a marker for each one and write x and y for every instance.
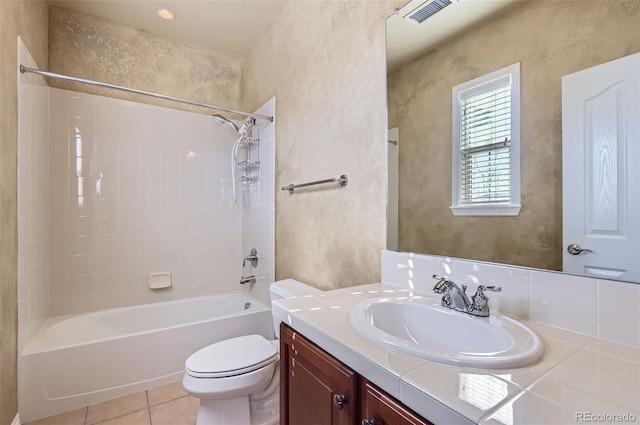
(85, 420)
(119, 416)
(148, 407)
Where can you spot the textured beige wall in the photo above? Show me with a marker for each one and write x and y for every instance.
(29, 19)
(97, 49)
(550, 39)
(325, 63)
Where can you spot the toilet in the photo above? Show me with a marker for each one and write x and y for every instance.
(237, 380)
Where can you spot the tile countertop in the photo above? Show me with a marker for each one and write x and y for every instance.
(579, 379)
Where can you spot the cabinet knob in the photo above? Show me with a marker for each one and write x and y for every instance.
(369, 421)
(339, 400)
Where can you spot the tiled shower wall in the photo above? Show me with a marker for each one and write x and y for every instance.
(258, 219)
(33, 200)
(138, 189)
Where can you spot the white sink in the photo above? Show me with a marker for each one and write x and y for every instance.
(423, 328)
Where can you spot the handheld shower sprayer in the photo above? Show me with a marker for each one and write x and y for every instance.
(244, 133)
(222, 120)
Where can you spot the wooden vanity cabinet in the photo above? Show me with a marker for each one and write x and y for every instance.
(377, 408)
(317, 389)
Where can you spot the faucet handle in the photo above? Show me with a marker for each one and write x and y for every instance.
(252, 258)
(442, 284)
(482, 288)
(479, 302)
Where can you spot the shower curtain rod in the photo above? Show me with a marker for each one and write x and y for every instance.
(24, 69)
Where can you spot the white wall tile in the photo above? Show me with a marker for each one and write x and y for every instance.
(420, 271)
(82, 283)
(105, 299)
(34, 140)
(58, 305)
(81, 303)
(460, 271)
(129, 197)
(133, 177)
(618, 312)
(82, 106)
(76, 225)
(258, 205)
(514, 299)
(564, 301)
(394, 268)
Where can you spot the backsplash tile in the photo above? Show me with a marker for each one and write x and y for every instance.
(619, 312)
(514, 298)
(597, 308)
(394, 268)
(420, 270)
(460, 271)
(565, 301)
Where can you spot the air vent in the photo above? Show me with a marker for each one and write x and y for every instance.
(427, 10)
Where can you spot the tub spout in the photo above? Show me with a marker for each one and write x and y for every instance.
(248, 279)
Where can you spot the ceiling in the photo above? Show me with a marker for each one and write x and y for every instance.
(407, 41)
(233, 26)
(225, 26)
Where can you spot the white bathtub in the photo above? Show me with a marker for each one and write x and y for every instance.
(77, 360)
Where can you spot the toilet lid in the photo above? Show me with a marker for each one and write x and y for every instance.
(231, 357)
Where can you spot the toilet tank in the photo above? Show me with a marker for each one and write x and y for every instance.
(289, 288)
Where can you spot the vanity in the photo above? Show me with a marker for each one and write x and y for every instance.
(317, 388)
(579, 378)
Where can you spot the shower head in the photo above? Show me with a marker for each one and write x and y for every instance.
(222, 120)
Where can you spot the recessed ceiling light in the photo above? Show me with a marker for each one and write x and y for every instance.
(166, 14)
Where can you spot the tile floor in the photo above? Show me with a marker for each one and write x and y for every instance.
(165, 405)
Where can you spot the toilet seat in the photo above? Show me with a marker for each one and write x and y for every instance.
(231, 357)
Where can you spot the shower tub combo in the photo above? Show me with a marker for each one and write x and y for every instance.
(82, 359)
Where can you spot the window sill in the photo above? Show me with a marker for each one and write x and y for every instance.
(486, 210)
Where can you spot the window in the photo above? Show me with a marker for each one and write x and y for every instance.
(486, 144)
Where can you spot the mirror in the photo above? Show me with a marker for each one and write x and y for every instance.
(463, 41)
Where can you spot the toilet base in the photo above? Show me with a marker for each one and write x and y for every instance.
(232, 411)
(266, 411)
(240, 411)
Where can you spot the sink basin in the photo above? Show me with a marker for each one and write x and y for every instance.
(423, 328)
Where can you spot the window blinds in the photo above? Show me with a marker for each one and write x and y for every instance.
(485, 146)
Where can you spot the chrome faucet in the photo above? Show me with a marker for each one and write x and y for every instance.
(252, 258)
(455, 297)
(249, 279)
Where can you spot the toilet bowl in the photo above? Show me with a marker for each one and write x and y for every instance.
(237, 380)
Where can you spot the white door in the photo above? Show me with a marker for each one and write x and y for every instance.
(600, 170)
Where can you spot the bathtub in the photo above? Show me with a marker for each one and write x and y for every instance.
(77, 360)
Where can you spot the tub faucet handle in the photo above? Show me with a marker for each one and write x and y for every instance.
(252, 258)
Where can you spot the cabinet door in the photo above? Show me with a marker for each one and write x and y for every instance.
(315, 388)
(378, 408)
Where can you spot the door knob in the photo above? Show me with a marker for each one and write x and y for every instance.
(575, 249)
(339, 400)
